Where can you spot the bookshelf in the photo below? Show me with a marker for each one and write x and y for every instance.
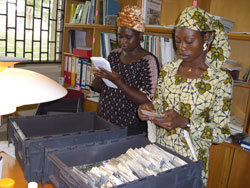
(240, 44)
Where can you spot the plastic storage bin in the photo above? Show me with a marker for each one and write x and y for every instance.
(60, 106)
(71, 103)
(32, 134)
(59, 163)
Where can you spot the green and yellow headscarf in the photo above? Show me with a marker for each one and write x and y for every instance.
(199, 20)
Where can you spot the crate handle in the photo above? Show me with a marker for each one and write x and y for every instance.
(19, 131)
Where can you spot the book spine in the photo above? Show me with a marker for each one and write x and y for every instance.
(88, 74)
(245, 146)
(246, 149)
(78, 72)
(245, 143)
(103, 49)
(93, 5)
(69, 69)
(73, 71)
(84, 72)
(65, 73)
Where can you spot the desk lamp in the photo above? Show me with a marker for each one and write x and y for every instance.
(24, 87)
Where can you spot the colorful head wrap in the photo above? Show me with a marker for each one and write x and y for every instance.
(130, 17)
(199, 20)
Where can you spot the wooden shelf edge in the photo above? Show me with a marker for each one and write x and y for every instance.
(159, 30)
(233, 36)
(238, 36)
(90, 26)
(242, 85)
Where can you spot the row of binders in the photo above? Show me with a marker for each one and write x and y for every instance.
(77, 71)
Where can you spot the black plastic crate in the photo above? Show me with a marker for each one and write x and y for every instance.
(64, 105)
(70, 103)
(59, 163)
(32, 134)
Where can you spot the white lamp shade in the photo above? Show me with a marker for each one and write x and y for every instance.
(23, 87)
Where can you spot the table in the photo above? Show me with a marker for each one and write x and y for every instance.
(11, 169)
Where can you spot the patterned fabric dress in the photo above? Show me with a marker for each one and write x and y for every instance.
(206, 101)
(114, 106)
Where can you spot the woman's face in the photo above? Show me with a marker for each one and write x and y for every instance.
(189, 43)
(128, 39)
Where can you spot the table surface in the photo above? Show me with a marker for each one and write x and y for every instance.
(11, 169)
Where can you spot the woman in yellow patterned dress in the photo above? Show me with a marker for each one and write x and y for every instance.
(194, 94)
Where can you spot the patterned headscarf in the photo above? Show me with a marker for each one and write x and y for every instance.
(131, 17)
(199, 20)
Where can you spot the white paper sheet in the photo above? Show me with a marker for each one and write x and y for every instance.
(101, 62)
(151, 114)
(7, 148)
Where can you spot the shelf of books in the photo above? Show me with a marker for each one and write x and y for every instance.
(89, 30)
(77, 71)
(77, 65)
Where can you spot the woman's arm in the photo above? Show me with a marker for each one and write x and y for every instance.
(133, 94)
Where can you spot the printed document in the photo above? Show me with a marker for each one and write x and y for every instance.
(102, 62)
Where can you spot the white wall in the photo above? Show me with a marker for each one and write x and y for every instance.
(51, 70)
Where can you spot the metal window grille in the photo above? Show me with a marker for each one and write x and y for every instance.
(32, 29)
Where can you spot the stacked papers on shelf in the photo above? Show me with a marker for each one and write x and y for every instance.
(236, 125)
(231, 65)
(245, 143)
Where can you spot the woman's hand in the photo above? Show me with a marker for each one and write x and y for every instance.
(145, 106)
(112, 76)
(171, 120)
(132, 93)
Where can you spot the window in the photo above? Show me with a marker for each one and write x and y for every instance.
(32, 29)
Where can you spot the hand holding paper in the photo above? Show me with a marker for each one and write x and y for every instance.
(152, 114)
(101, 62)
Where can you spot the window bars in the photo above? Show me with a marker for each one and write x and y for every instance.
(32, 29)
